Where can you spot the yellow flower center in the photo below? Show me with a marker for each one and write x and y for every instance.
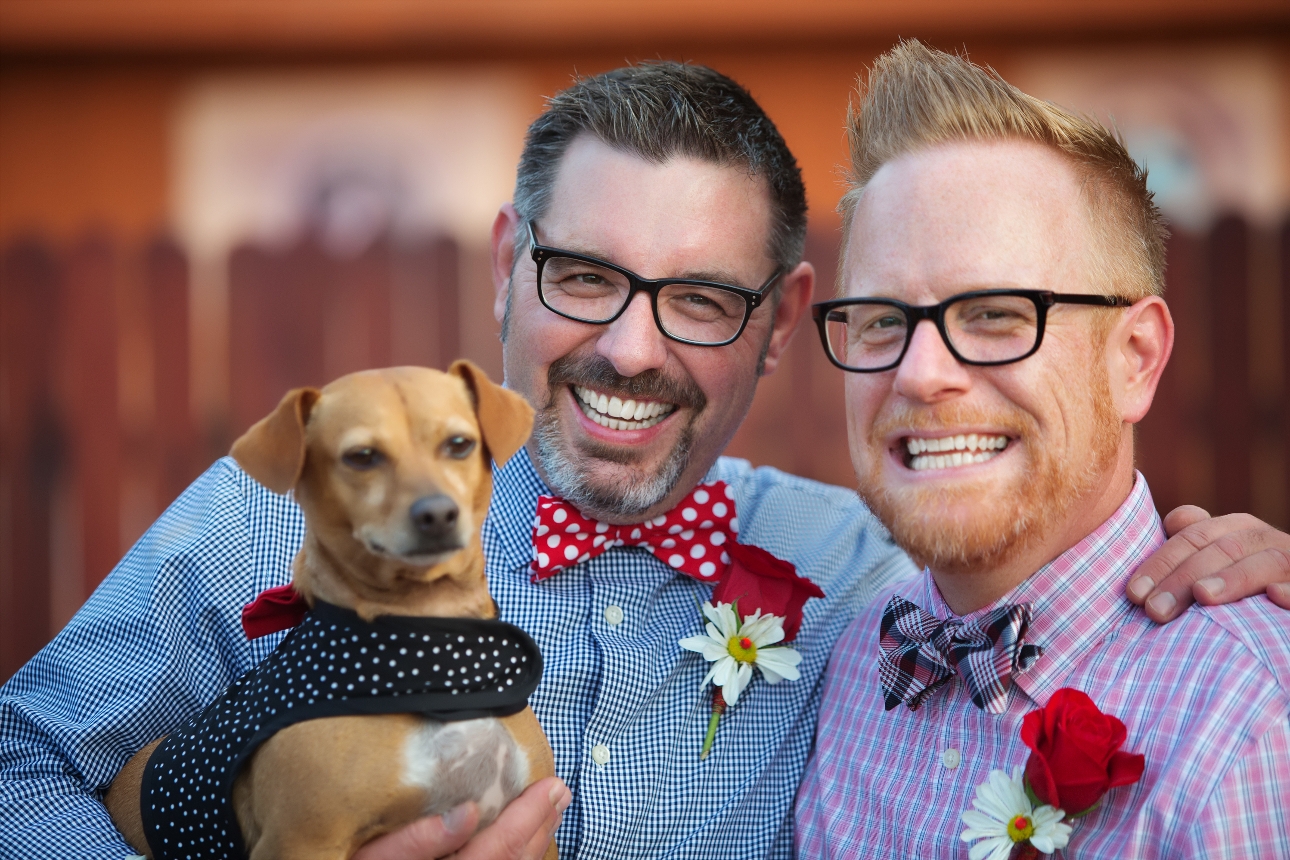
(1020, 828)
(742, 649)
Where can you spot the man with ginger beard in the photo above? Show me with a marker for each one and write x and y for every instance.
(1003, 326)
(651, 262)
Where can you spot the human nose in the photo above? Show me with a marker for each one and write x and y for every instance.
(633, 342)
(929, 373)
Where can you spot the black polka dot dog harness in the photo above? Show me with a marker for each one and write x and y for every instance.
(333, 664)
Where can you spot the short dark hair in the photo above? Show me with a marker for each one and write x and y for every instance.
(658, 110)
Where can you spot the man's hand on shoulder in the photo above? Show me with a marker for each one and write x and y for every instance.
(522, 832)
(1212, 560)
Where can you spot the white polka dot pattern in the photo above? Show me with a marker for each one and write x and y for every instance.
(681, 538)
(332, 664)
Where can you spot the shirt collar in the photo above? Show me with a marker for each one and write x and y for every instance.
(1077, 599)
(516, 487)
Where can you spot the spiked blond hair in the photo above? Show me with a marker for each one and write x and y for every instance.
(917, 97)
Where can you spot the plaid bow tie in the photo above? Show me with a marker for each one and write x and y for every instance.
(691, 537)
(920, 652)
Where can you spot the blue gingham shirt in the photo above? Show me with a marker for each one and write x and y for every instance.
(162, 637)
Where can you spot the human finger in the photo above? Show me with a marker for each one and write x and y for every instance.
(1183, 516)
(1236, 556)
(427, 838)
(536, 811)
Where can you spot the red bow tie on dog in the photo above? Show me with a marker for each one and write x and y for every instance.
(693, 537)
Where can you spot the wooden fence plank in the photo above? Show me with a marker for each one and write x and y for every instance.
(1228, 276)
(31, 446)
(88, 342)
(165, 273)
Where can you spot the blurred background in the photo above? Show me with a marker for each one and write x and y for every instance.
(205, 204)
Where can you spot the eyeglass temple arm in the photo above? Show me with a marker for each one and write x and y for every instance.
(1086, 299)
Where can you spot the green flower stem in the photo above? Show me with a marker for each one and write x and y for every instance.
(718, 708)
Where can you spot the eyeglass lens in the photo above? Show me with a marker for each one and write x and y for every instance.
(595, 294)
(981, 328)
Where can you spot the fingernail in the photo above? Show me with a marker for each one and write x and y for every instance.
(1141, 587)
(1162, 604)
(1212, 586)
(560, 797)
(454, 820)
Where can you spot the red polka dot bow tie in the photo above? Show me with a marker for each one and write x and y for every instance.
(692, 537)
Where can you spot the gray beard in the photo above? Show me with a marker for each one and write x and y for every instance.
(626, 501)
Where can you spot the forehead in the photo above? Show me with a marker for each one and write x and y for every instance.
(682, 212)
(965, 216)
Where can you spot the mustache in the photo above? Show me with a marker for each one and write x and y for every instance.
(903, 416)
(595, 371)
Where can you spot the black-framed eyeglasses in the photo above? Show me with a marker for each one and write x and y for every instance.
(985, 328)
(582, 288)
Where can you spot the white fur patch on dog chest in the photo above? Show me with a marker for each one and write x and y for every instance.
(468, 760)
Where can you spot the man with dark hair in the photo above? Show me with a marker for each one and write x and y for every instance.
(648, 273)
(1003, 324)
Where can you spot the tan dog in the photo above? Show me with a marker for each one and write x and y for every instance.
(392, 471)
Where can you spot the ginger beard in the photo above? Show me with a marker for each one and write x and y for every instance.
(572, 473)
(1001, 523)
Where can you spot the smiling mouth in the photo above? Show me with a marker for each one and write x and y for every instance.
(923, 453)
(614, 413)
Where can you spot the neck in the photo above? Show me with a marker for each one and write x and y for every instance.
(968, 589)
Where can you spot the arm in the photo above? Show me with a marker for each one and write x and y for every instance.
(155, 642)
(1212, 560)
(522, 832)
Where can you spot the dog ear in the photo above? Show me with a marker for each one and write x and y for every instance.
(505, 418)
(273, 450)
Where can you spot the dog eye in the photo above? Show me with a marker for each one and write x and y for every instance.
(362, 458)
(459, 447)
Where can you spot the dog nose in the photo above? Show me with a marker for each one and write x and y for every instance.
(434, 515)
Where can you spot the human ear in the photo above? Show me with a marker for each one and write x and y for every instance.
(1140, 345)
(502, 254)
(796, 290)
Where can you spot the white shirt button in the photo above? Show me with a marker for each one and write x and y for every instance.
(951, 758)
(600, 754)
(614, 614)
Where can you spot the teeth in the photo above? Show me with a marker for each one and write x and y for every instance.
(617, 414)
(958, 450)
(973, 442)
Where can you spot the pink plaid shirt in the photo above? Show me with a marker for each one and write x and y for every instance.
(1206, 699)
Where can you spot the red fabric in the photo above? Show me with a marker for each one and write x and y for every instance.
(760, 582)
(693, 537)
(276, 609)
(1075, 753)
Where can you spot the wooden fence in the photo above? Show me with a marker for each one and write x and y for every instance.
(97, 432)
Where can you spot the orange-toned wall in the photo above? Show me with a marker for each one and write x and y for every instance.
(83, 142)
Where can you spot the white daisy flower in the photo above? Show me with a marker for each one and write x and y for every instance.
(1006, 818)
(734, 648)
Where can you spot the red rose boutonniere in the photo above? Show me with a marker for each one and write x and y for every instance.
(760, 582)
(757, 604)
(1075, 759)
(1075, 755)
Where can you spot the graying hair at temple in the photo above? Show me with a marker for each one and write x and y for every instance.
(660, 110)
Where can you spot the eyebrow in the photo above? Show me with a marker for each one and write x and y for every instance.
(719, 276)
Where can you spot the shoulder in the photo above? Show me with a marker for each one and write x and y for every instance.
(1255, 629)
(224, 514)
(225, 539)
(823, 529)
